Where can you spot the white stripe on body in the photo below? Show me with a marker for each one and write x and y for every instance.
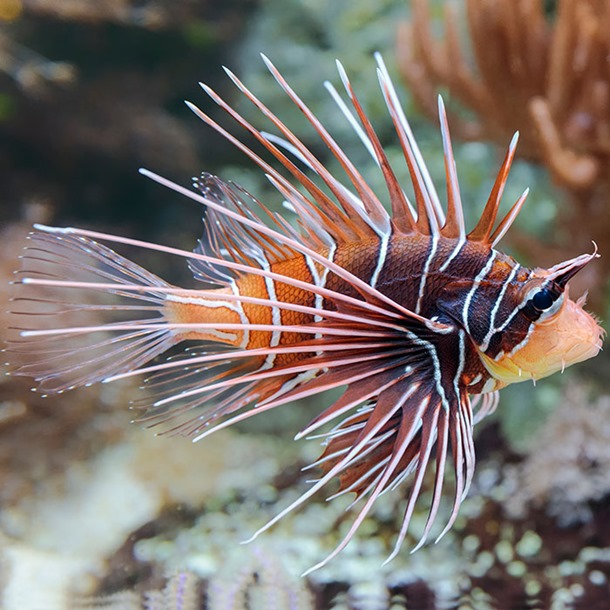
(475, 285)
(192, 300)
(381, 256)
(494, 312)
(424, 276)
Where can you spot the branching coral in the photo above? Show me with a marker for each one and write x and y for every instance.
(549, 80)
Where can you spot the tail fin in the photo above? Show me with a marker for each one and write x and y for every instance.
(81, 312)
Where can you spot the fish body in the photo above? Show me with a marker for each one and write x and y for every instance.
(433, 277)
(420, 321)
(413, 271)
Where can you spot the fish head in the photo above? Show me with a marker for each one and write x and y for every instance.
(546, 330)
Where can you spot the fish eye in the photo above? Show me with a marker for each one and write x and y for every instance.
(543, 299)
(543, 302)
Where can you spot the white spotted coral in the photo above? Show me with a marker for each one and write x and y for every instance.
(569, 466)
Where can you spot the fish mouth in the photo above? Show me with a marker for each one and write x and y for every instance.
(572, 336)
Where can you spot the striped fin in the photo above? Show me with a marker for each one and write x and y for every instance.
(218, 390)
(484, 231)
(65, 265)
(369, 201)
(345, 215)
(454, 225)
(392, 415)
(430, 215)
(227, 238)
(344, 223)
(402, 214)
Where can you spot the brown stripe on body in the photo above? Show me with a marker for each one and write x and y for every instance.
(510, 329)
(285, 293)
(489, 303)
(405, 260)
(504, 341)
(454, 267)
(359, 258)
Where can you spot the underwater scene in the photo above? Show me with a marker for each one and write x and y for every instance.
(329, 335)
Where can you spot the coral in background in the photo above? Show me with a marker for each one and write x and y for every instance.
(568, 468)
(183, 591)
(258, 581)
(548, 77)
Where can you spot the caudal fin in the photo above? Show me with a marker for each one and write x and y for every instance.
(81, 312)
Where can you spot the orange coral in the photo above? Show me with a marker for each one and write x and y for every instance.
(549, 80)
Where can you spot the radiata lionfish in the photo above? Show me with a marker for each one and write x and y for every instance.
(408, 311)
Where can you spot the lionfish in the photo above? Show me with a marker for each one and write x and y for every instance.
(419, 321)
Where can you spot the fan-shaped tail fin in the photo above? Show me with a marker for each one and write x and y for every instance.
(81, 312)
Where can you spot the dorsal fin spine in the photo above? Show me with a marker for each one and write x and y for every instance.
(484, 227)
(429, 212)
(508, 220)
(352, 229)
(454, 225)
(402, 216)
(368, 198)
